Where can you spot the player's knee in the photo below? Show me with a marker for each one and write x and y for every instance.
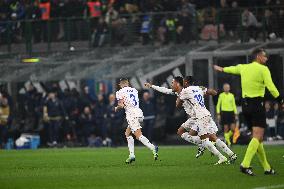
(213, 138)
(180, 131)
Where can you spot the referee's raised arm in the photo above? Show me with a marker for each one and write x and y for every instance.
(255, 77)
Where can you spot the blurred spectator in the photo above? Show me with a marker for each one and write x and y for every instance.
(95, 11)
(86, 127)
(34, 13)
(188, 7)
(146, 28)
(45, 7)
(270, 24)
(270, 120)
(115, 121)
(149, 111)
(100, 116)
(233, 19)
(111, 16)
(131, 6)
(4, 115)
(99, 34)
(114, 23)
(86, 98)
(210, 29)
(53, 114)
(167, 29)
(250, 24)
(280, 21)
(278, 128)
(17, 9)
(184, 27)
(32, 101)
(71, 106)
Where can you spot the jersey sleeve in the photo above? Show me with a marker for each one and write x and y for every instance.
(183, 94)
(163, 90)
(118, 95)
(233, 69)
(269, 83)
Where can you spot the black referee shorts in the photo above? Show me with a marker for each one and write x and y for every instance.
(254, 112)
(227, 118)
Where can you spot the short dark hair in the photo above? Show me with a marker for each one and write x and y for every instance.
(179, 79)
(256, 51)
(189, 79)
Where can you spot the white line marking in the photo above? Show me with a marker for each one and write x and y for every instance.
(270, 187)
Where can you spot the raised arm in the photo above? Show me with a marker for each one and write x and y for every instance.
(231, 69)
(163, 90)
(211, 92)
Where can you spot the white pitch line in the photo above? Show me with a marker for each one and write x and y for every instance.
(270, 187)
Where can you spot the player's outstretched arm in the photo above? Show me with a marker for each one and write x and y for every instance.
(218, 68)
(163, 90)
(211, 92)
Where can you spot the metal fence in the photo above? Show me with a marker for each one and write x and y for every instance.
(60, 34)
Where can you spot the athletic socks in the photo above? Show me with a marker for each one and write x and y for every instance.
(192, 139)
(251, 150)
(209, 146)
(262, 157)
(221, 145)
(228, 136)
(146, 142)
(130, 142)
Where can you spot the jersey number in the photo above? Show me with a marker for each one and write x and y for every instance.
(199, 99)
(132, 97)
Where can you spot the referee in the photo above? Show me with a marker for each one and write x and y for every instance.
(227, 112)
(255, 77)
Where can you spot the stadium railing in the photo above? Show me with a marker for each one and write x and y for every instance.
(60, 34)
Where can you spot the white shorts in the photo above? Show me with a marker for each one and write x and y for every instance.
(205, 125)
(189, 124)
(134, 123)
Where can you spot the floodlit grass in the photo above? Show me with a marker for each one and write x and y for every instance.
(105, 168)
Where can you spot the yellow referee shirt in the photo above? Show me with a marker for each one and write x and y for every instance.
(254, 78)
(226, 102)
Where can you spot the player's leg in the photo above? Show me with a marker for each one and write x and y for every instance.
(221, 145)
(232, 130)
(201, 148)
(139, 136)
(204, 126)
(209, 146)
(191, 136)
(257, 136)
(258, 122)
(136, 130)
(227, 134)
(263, 160)
(182, 132)
(256, 146)
(130, 143)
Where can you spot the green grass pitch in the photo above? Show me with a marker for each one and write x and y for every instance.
(105, 168)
